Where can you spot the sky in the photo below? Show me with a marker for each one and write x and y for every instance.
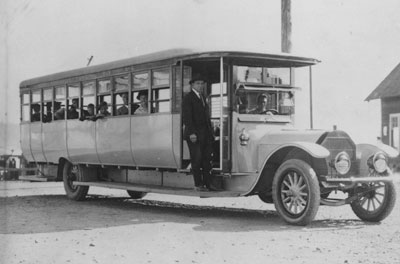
(357, 42)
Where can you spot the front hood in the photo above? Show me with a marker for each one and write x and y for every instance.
(281, 136)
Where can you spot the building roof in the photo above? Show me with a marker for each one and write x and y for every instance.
(177, 54)
(389, 87)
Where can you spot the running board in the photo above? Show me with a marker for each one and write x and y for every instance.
(159, 189)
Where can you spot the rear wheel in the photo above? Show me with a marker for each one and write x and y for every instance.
(136, 195)
(295, 192)
(70, 174)
(375, 202)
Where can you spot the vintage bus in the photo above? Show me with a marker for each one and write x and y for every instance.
(254, 153)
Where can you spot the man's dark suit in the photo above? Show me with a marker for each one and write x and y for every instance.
(196, 119)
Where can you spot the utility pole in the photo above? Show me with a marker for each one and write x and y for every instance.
(286, 26)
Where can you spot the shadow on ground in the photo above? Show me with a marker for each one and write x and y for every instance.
(55, 213)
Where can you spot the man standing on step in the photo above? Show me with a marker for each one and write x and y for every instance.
(198, 133)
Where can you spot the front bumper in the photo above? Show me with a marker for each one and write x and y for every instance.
(352, 179)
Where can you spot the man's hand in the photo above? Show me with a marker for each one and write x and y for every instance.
(193, 138)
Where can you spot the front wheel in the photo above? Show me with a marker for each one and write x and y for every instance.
(295, 191)
(375, 201)
(70, 174)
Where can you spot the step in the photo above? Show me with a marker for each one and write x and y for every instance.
(160, 189)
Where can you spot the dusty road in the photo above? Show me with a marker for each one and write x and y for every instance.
(39, 225)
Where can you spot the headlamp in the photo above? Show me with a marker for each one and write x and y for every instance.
(378, 162)
(342, 163)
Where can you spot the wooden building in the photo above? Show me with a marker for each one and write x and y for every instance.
(389, 93)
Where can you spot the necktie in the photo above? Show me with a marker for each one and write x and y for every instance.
(202, 100)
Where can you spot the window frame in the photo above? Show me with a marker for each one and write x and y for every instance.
(116, 93)
(26, 104)
(70, 98)
(160, 87)
(39, 102)
(138, 90)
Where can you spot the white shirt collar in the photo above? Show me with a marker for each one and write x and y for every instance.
(197, 93)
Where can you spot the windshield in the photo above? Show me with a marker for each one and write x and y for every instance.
(263, 102)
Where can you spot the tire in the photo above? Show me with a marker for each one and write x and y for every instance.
(376, 204)
(136, 195)
(70, 174)
(296, 193)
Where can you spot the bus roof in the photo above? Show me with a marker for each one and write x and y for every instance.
(174, 54)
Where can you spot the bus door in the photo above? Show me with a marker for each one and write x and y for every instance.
(215, 72)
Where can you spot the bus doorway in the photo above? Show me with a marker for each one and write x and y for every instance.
(215, 72)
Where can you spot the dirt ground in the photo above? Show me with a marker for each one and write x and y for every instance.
(38, 224)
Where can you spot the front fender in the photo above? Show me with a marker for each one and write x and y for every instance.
(369, 149)
(364, 151)
(315, 150)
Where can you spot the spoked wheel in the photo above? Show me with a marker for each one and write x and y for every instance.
(70, 174)
(136, 195)
(375, 200)
(295, 192)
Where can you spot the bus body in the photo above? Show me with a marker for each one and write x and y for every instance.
(255, 152)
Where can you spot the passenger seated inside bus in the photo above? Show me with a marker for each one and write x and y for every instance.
(123, 110)
(103, 110)
(72, 111)
(36, 113)
(89, 113)
(59, 113)
(143, 104)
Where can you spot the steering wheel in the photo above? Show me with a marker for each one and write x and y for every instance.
(272, 111)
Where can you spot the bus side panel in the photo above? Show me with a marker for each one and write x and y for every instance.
(36, 142)
(81, 141)
(25, 141)
(54, 140)
(113, 141)
(151, 140)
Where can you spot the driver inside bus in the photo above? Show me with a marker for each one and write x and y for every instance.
(262, 106)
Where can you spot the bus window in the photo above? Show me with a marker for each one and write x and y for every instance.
(140, 81)
(35, 106)
(121, 96)
(25, 113)
(269, 76)
(140, 95)
(59, 103)
(104, 93)
(216, 101)
(73, 101)
(47, 105)
(160, 100)
(160, 77)
(88, 101)
(160, 95)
